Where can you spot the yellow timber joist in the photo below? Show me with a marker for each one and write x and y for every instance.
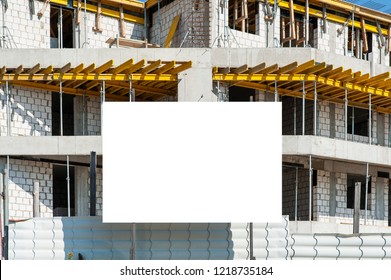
(152, 79)
(330, 82)
(369, 14)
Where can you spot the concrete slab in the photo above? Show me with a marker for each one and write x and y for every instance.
(336, 149)
(50, 145)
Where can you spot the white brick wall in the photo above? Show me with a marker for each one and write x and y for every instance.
(22, 175)
(27, 31)
(30, 112)
(93, 116)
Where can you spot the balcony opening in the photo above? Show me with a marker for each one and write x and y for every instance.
(351, 180)
(358, 121)
(60, 194)
(61, 27)
(67, 113)
(241, 15)
(239, 94)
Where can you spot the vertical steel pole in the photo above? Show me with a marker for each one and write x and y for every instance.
(296, 190)
(307, 23)
(346, 114)
(84, 113)
(36, 199)
(8, 109)
(68, 188)
(61, 116)
(102, 99)
(370, 119)
(352, 124)
(6, 210)
(303, 110)
(366, 192)
(315, 109)
(310, 190)
(294, 117)
(354, 7)
(275, 91)
(130, 91)
(159, 22)
(93, 183)
(356, 215)
(1, 212)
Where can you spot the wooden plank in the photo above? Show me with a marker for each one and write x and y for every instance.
(78, 12)
(292, 19)
(240, 69)
(98, 15)
(180, 68)
(151, 67)
(65, 68)
(43, 9)
(364, 36)
(35, 69)
(269, 69)
(287, 68)
(104, 67)
(19, 70)
(169, 65)
(256, 68)
(171, 32)
(122, 29)
(122, 67)
(88, 69)
(130, 43)
(135, 67)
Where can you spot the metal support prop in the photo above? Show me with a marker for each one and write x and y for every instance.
(59, 28)
(219, 92)
(354, 7)
(315, 109)
(134, 239)
(251, 228)
(6, 210)
(296, 190)
(84, 113)
(102, 100)
(275, 91)
(346, 114)
(159, 23)
(310, 190)
(294, 117)
(366, 192)
(303, 111)
(1, 213)
(93, 183)
(61, 113)
(36, 199)
(8, 109)
(3, 24)
(68, 189)
(307, 23)
(356, 215)
(370, 119)
(352, 124)
(145, 22)
(131, 98)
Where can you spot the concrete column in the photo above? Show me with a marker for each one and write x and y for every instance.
(379, 199)
(36, 200)
(332, 120)
(81, 191)
(380, 129)
(199, 79)
(333, 194)
(356, 215)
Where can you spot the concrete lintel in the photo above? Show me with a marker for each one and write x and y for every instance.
(50, 145)
(336, 149)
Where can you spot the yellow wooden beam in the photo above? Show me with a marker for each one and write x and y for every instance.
(180, 68)
(171, 32)
(88, 69)
(122, 67)
(136, 67)
(104, 67)
(78, 69)
(34, 69)
(152, 66)
(170, 65)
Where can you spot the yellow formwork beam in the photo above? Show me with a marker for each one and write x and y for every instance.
(171, 32)
(331, 17)
(90, 77)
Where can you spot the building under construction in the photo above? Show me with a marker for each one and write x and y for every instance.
(327, 62)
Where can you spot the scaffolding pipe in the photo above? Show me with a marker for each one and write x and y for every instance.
(145, 22)
(85, 24)
(1, 213)
(36, 199)
(131, 98)
(59, 28)
(310, 190)
(6, 210)
(275, 91)
(102, 100)
(315, 109)
(294, 117)
(225, 22)
(3, 24)
(354, 7)
(356, 215)
(68, 188)
(84, 113)
(366, 193)
(296, 190)
(8, 109)
(346, 114)
(307, 23)
(303, 111)
(352, 124)
(370, 119)
(93, 183)
(61, 112)
(159, 23)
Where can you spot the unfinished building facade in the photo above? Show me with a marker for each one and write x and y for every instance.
(326, 61)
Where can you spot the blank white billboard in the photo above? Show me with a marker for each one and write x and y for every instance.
(192, 162)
